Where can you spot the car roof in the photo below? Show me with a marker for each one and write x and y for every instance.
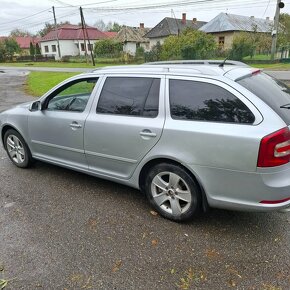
(230, 71)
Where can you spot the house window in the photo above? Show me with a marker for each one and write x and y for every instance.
(46, 48)
(82, 47)
(53, 48)
(221, 42)
(90, 47)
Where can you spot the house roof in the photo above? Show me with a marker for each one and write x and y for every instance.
(132, 34)
(231, 22)
(23, 41)
(172, 26)
(73, 32)
(110, 34)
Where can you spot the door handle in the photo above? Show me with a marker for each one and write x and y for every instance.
(147, 133)
(75, 125)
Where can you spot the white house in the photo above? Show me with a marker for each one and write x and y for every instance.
(73, 41)
(132, 38)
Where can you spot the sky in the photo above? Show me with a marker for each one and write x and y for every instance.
(31, 15)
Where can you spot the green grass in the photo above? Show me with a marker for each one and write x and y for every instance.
(39, 83)
(272, 66)
(258, 57)
(52, 64)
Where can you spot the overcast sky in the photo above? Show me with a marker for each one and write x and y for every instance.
(31, 15)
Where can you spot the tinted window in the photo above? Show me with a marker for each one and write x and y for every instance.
(130, 96)
(72, 96)
(271, 91)
(190, 100)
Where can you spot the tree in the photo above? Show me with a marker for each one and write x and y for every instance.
(284, 30)
(37, 49)
(100, 24)
(242, 46)
(115, 27)
(19, 32)
(8, 47)
(31, 49)
(190, 44)
(108, 46)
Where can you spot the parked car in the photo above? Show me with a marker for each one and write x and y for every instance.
(189, 136)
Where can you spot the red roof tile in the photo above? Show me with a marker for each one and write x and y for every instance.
(23, 41)
(74, 32)
(110, 34)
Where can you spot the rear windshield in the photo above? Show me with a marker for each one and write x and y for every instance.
(271, 91)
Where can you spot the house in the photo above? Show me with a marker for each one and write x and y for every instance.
(110, 34)
(132, 38)
(171, 26)
(24, 43)
(72, 39)
(225, 26)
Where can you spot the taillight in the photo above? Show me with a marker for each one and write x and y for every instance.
(275, 149)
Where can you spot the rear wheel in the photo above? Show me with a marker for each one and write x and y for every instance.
(17, 149)
(172, 192)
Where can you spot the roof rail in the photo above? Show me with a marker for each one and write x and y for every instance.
(197, 62)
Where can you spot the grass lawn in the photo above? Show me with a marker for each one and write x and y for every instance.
(39, 83)
(272, 66)
(53, 64)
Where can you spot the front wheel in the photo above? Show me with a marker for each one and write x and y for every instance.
(17, 149)
(172, 192)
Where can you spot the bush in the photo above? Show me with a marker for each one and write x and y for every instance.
(154, 54)
(108, 47)
(242, 46)
(191, 44)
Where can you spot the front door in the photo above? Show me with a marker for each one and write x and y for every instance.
(57, 130)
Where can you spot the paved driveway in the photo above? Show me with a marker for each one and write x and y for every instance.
(60, 229)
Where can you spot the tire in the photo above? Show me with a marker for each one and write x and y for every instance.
(172, 192)
(17, 149)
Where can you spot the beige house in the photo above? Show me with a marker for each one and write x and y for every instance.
(171, 26)
(132, 38)
(225, 26)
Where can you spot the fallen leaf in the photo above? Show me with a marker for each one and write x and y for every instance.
(117, 266)
(186, 235)
(154, 243)
(153, 212)
(212, 253)
(172, 271)
(232, 283)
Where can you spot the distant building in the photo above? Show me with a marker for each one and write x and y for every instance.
(24, 43)
(110, 34)
(71, 41)
(132, 38)
(171, 26)
(225, 26)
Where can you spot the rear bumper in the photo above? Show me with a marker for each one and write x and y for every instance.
(236, 190)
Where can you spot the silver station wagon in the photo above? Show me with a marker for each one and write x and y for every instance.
(191, 136)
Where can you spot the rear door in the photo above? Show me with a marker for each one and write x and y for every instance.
(125, 122)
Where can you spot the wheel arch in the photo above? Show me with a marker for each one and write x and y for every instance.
(146, 167)
(5, 129)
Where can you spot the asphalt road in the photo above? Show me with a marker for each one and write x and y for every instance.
(60, 229)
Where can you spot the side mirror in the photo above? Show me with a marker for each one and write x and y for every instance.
(35, 106)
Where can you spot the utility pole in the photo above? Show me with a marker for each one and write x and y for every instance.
(56, 32)
(84, 27)
(276, 27)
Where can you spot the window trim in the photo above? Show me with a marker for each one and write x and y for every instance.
(228, 87)
(161, 106)
(54, 91)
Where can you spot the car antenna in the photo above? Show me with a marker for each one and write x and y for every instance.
(223, 63)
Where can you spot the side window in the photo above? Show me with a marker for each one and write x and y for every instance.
(191, 100)
(72, 96)
(130, 96)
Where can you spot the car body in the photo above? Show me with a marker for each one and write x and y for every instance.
(191, 136)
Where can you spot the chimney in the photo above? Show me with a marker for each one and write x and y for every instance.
(183, 18)
(252, 17)
(267, 18)
(194, 20)
(142, 25)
